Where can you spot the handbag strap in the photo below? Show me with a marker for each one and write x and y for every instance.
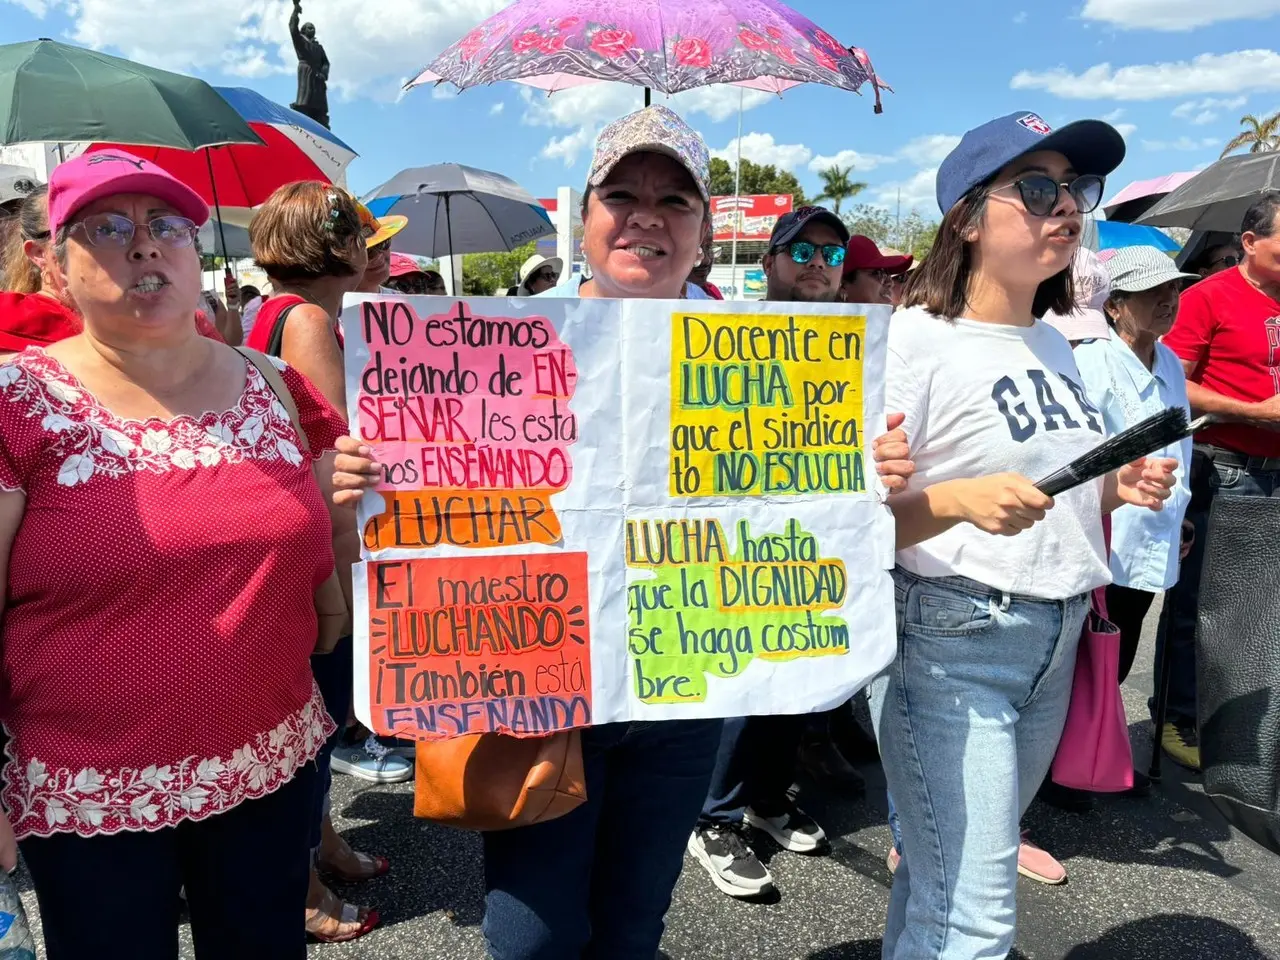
(276, 382)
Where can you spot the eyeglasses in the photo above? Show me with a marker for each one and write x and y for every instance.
(1040, 192)
(802, 251)
(380, 249)
(113, 230)
(1230, 260)
(547, 276)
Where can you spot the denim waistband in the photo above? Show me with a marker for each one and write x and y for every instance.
(1003, 597)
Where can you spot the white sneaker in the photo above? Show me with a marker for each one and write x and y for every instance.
(730, 861)
(793, 829)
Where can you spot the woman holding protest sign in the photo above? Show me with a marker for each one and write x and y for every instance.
(163, 537)
(597, 881)
(970, 713)
(311, 239)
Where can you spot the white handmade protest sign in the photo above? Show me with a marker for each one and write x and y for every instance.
(595, 511)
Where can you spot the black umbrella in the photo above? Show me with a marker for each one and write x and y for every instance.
(1218, 196)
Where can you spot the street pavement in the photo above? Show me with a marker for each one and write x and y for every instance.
(1150, 879)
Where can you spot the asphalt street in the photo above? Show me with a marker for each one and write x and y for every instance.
(1162, 877)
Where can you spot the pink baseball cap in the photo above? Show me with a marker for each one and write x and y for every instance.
(91, 176)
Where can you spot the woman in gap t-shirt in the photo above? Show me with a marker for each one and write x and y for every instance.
(969, 714)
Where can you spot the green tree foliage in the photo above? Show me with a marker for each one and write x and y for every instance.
(914, 234)
(484, 273)
(837, 187)
(1258, 135)
(756, 179)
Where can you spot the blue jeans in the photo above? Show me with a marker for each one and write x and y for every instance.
(1208, 481)
(968, 717)
(754, 767)
(596, 884)
(333, 673)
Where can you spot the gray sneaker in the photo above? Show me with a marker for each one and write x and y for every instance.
(371, 761)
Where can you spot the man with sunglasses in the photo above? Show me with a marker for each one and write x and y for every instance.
(806, 253)
(868, 273)
(757, 758)
(1227, 335)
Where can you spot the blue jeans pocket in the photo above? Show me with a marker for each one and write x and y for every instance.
(947, 614)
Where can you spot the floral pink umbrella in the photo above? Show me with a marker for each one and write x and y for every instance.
(666, 45)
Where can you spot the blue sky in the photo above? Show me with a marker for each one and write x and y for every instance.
(1175, 75)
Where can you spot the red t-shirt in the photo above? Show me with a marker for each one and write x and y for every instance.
(159, 623)
(28, 320)
(1231, 331)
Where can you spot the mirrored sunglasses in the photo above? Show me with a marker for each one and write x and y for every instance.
(802, 251)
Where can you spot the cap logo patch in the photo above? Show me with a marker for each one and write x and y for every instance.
(1035, 124)
(98, 158)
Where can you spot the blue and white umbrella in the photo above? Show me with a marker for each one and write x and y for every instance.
(457, 209)
(1115, 236)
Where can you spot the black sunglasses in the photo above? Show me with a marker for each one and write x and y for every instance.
(1040, 192)
(802, 251)
(1230, 260)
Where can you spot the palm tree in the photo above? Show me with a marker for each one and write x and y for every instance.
(1259, 135)
(837, 187)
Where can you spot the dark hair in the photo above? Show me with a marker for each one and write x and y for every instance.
(304, 231)
(941, 283)
(1260, 218)
(31, 223)
(1114, 298)
(248, 292)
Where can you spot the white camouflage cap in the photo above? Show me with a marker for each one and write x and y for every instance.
(655, 129)
(1135, 269)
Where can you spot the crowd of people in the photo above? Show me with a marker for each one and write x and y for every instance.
(175, 702)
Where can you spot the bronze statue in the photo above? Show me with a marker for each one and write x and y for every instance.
(313, 70)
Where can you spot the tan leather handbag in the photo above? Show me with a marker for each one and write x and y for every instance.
(489, 781)
(333, 616)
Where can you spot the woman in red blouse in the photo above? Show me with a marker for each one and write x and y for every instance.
(162, 535)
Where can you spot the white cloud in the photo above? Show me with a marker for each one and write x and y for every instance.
(1226, 73)
(1020, 17)
(568, 147)
(370, 46)
(761, 148)
(929, 151)
(1182, 143)
(1114, 116)
(584, 110)
(497, 108)
(444, 91)
(1125, 130)
(849, 158)
(1200, 112)
(918, 193)
(1176, 14)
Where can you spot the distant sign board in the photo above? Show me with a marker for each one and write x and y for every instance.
(755, 215)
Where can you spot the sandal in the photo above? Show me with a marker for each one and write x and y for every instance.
(370, 866)
(325, 923)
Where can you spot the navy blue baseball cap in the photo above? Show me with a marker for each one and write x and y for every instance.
(1091, 146)
(790, 224)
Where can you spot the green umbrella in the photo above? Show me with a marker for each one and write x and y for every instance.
(54, 92)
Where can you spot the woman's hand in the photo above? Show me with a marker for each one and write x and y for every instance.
(893, 456)
(1004, 504)
(354, 471)
(8, 845)
(1146, 483)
